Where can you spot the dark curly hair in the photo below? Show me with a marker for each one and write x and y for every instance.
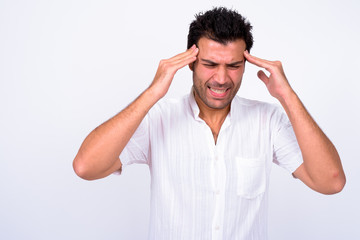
(221, 25)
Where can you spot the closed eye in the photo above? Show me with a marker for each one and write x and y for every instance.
(234, 66)
(210, 65)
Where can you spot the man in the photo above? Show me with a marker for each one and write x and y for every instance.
(210, 153)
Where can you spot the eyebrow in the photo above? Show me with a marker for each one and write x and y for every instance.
(214, 63)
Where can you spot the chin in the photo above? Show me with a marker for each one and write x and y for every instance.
(218, 105)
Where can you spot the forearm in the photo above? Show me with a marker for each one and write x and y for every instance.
(321, 170)
(321, 160)
(100, 151)
(99, 154)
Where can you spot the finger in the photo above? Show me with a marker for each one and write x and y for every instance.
(186, 58)
(263, 77)
(256, 58)
(257, 61)
(186, 61)
(190, 51)
(175, 63)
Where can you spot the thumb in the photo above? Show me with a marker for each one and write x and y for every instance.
(263, 77)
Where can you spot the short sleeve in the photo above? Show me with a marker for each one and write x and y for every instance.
(137, 149)
(287, 153)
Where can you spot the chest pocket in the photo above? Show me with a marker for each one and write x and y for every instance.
(251, 177)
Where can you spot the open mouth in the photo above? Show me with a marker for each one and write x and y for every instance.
(218, 92)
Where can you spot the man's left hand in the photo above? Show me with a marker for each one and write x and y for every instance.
(276, 83)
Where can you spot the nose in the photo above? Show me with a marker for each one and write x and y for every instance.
(221, 75)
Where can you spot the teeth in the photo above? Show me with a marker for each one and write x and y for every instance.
(218, 90)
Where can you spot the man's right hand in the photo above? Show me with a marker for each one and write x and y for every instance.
(99, 154)
(167, 69)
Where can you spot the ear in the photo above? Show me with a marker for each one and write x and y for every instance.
(191, 66)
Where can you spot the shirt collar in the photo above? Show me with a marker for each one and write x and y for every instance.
(195, 108)
(193, 105)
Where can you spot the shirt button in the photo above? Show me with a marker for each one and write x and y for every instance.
(217, 192)
(217, 227)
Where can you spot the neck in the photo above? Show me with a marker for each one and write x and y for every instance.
(214, 118)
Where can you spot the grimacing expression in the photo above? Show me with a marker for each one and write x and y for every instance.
(218, 71)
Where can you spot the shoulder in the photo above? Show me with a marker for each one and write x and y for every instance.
(254, 110)
(267, 114)
(254, 105)
(169, 104)
(171, 107)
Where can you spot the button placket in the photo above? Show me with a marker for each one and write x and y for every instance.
(219, 191)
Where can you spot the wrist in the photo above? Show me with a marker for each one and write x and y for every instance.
(152, 95)
(286, 95)
(288, 99)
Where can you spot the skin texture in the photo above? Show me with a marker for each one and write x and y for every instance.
(321, 169)
(219, 67)
(98, 155)
(217, 75)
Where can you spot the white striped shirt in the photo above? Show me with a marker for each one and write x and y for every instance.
(200, 190)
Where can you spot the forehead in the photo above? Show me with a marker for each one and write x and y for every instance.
(215, 51)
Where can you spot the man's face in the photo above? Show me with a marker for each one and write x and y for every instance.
(217, 72)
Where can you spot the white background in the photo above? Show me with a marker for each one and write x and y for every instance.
(67, 66)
